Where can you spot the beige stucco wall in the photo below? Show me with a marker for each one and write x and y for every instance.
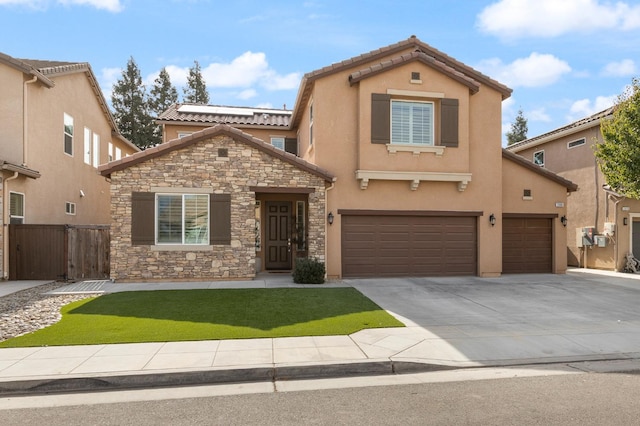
(171, 131)
(591, 205)
(64, 176)
(198, 166)
(11, 107)
(343, 145)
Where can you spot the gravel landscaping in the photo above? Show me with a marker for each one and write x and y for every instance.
(31, 309)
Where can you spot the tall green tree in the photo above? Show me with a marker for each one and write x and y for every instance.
(518, 130)
(196, 90)
(162, 95)
(619, 154)
(131, 109)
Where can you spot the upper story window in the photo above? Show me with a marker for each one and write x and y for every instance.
(182, 219)
(96, 150)
(184, 134)
(87, 146)
(118, 153)
(538, 158)
(574, 144)
(68, 134)
(110, 157)
(411, 122)
(278, 142)
(16, 208)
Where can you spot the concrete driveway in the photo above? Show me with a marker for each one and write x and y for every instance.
(512, 319)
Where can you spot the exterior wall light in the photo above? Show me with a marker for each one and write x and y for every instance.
(492, 219)
(564, 221)
(624, 221)
(330, 218)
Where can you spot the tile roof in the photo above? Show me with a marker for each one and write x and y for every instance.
(474, 86)
(208, 133)
(411, 43)
(576, 126)
(237, 116)
(571, 187)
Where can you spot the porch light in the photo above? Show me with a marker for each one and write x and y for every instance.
(330, 218)
(492, 219)
(563, 220)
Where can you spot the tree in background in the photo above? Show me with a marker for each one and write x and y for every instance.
(131, 109)
(619, 155)
(518, 130)
(162, 95)
(196, 90)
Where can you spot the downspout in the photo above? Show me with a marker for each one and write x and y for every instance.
(615, 220)
(5, 226)
(326, 224)
(25, 120)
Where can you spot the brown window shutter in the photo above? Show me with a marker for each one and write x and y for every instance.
(220, 219)
(380, 118)
(291, 145)
(449, 122)
(143, 206)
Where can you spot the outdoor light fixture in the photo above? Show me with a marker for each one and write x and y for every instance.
(624, 221)
(330, 218)
(563, 220)
(492, 219)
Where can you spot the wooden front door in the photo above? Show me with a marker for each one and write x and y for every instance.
(278, 233)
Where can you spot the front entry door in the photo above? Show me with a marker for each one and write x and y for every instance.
(278, 241)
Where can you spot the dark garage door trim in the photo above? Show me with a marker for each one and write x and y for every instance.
(417, 243)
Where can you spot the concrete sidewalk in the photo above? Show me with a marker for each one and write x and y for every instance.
(474, 333)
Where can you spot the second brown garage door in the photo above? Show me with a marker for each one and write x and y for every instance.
(526, 245)
(387, 245)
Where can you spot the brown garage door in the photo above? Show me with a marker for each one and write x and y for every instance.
(526, 245)
(379, 246)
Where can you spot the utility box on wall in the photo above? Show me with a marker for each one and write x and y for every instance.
(585, 236)
(600, 240)
(609, 229)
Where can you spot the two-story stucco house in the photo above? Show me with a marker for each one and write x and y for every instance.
(389, 164)
(613, 219)
(56, 130)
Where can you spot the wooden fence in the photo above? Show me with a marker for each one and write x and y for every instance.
(58, 252)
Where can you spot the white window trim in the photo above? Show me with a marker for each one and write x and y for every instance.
(583, 140)
(96, 150)
(70, 208)
(110, 157)
(432, 133)
(118, 153)
(64, 134)
(24, 206)
(543, 159)
(177, 246)
(184, 134)
(87, 146)
(311, 124)
(272, 138)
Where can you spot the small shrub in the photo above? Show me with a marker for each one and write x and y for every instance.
(308, 271)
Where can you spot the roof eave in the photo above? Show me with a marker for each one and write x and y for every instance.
(570, 186)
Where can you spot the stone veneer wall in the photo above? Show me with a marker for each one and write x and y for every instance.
(198, 166)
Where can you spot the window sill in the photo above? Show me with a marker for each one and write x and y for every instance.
(416, 149)
(414, 178)
(181, 247)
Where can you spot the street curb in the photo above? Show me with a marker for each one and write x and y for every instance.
(24, 387)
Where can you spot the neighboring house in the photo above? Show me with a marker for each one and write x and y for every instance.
(399, 172)
(56, 130)
(614, 220)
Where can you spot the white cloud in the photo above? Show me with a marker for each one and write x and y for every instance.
(586, 107)
(624, 68)
(551, 18)
(109, 5)
(534, 71)
(107, 78)
(247, 94)
(539, 115)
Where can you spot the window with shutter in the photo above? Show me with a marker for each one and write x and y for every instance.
(411, 122)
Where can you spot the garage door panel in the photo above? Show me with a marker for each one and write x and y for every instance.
(409, 246)
(527, 245)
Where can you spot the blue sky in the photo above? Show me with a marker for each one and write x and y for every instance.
(564, 59)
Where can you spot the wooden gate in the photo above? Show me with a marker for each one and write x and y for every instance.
(58, 252)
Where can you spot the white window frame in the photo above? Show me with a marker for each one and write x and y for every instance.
(19, 218)
(67, 121)
(110, 157)
(311, 124)
(536, 161)
(87, 146)
(278, 142)
(96, 150)
(576, 143)
(411, 140)
(118, 153)
(204, 241)
(70, 208)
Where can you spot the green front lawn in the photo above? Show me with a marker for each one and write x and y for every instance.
(179, 315)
